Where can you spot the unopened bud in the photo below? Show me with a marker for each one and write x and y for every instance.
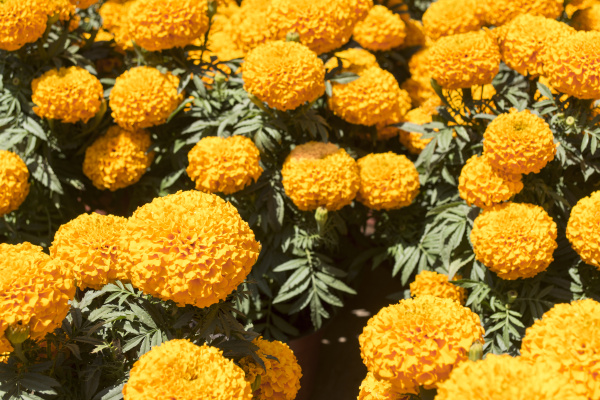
(220, 78)
(16, 81)
(570, 121)
(212, 8)
(17, 334)
(321, 218)
(256, 384)
(512, 296)
(292, 37)
(476, 351)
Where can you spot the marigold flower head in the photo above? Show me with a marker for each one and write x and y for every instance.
(14, 182)
(514, 240)
(320, 175)
(21, 22)
(387, 181)
(420, 63)
(179, 369)
(82, 4)
(118, 159)
(499, 12)
(224, 165)
(582, 229)
(88, 246)
(63, 9)
(354, 60)
(573, 64)
(418, 342)
(247, 26)
(143, 97)
(450, 17)
(372, 388)
(576, 5)
(463, 60)
(190, 247)
(380, 30)
(284, 74)
(114, 15)
(34, 290)
(499, 377)
(518, 142)
(419, 89)
(566, 339)
(415, 34)
(587, 19)
(280, 379)
(437, 285)
(157, 25)
(414, 141)
(69, 94)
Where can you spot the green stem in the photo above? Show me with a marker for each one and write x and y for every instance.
(427, 394)
(19, 352)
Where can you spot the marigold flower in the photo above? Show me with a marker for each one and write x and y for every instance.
(69, 94)
(224, 165)
(118, 159)
(576, 5)
(114, 15)
(499, 377)
(320, 175)
(82, 4)
(163, 24)
(418, 342)
(514, 240)
(189, 247)
(63, 9)
(587, 19)
(34, 290)
(415, 35)
(372, 388)
(143, 97)
(573, 64)
(380, 30)
(566, 339)
(413, 141)
(419, 89)
(280, 379)
(88, 246)
(14, 182)
(420, 63)
(499, 12)
(284, 75)
(247, 26)
(518, 142)
(354, 60)
(21, 22)
(387, 181)
(450, 17)
(582, 229)
(178, 369)
(437, 285)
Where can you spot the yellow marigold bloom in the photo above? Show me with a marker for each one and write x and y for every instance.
(415, 35)
(247, 26)
(420, 63)
(83, 3)
(143, 97)
(320, 175)
(14, 181)
(178, 369)
(582, 229)
(163, 24)
(354, 60)
(323, 25)
(284, 75)
(280, 379)
(380, 30)
(419, 89)
(514, 240)
(224, 165)
(463, 60)
(482, 185)
(69, 94)
(499, 12)
(384, 130)
(450, 17)
(372, 388)
(114, 15)
(418, 342)
(388, 181)
(437, 285)
(190, 247)
(587, 19)
(573, 65)
(413, 141)
(88, 246)
(500, 377)
(21, 22)
(61, 8)
(567, 340)
(34, 290)
(519, 142)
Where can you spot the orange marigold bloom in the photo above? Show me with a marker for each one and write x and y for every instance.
(415, 34)
(450, 17)
(418, 342)
(143, 97)
(582, 229)
(247, 26)
(14, 182)
(514, 240)
(320, 175)
(372, 388)
(380, 30)
(587, 19)
(225, 165)
(118, 159)
(114, 15)
(284, 75)
(414, 141)
(420, 63)
(83, 3)
(354, 60)
(437, 285)
(419, 89)
(69, 94)
(576, 5)
(499, 12)
(21, 22)
(64, 9)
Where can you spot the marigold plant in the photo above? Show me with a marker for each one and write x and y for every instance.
(437, 285)
(14, 182)
(21, 22)
(380, 30)
(372, 388)
(582, 229)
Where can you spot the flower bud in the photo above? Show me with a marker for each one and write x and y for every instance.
(476, 351)
(321, 218)
(17, 334)
(292, 37)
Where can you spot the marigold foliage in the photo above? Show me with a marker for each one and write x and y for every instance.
(583, 229)
(88, 246)
(284, 75)
(14, 182)
(514, 240)
(372, 388)
(464, 60)
(587, 19)
(143, 97)
(179, 369)
(225, 165)
(500, 377)
(518, 142)
(21, 22)
(190, 247)
(354, 60)
(418, 342)
(69, 94)
(280, 379)
(387, 181)
(566, 339)
(380, 30)
(499, 12)
(437, 285)
(118, 159)
(450, 17)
